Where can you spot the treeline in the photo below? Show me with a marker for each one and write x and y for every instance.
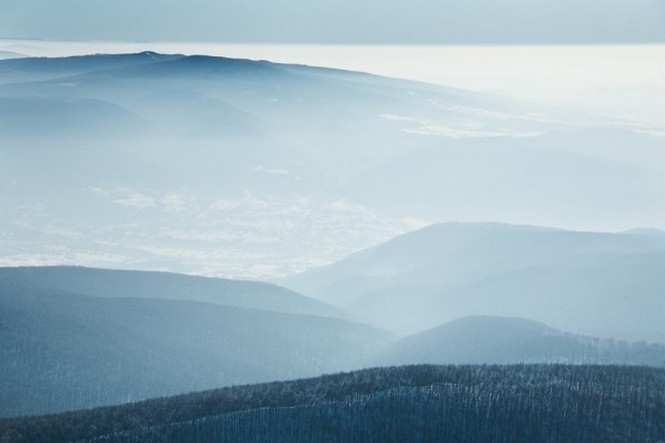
(412, 403)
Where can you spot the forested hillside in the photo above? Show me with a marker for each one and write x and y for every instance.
(416, 403)
(117, 341)
(61, 351)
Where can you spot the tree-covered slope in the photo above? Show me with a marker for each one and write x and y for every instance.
(61, 351)
(415, 403)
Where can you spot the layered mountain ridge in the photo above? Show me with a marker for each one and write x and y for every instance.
(505, 340)
(163, 285)
(121, 336)
(593, 283)
(253, 169)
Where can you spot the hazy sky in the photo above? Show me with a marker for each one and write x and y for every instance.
(342, 21)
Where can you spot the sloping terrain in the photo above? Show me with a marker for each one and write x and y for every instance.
(501, 340)
(422, 403)
(62, 351)
(162, 285)
(601, 284)
(73, 338)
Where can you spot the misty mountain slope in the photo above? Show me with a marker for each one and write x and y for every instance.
(610, 143)
(58, 117)
(46, 68)
(506, 340)
(549, 174)
(422, 403)
(471, 248)
(292, 99)
(162, 285)
(609, 295)
(205, 116)
(592, 283)
(5, 55)
(62, 351)
(297, 103)
(253, 169)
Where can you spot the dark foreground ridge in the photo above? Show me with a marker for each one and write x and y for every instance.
(411, 403)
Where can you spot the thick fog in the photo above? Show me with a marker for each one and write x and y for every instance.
(250, 169)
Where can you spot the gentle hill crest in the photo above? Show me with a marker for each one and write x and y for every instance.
(166, 285)
(64, 351)
(504, 340)
(607, 283)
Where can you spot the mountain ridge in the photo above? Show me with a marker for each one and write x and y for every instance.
(166, 285)
(64, 351)
(484, 339)
(225, 139)
(439, 273)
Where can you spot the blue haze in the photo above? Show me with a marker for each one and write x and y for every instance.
(370, 21)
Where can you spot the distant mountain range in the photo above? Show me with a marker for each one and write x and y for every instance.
(601, 284)
(219, 166)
